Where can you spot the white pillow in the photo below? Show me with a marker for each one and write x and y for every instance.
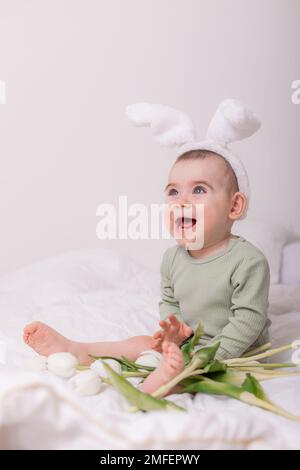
(268, 236)
(290, 265)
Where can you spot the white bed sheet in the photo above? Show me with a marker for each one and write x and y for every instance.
(98, 295)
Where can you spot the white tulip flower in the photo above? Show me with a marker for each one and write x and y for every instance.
(86, 383)
(97, 366)
(62, 364)
(150, 358)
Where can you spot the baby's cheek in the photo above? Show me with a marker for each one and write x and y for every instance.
(212, 221)
(209, 217)
(213, 214)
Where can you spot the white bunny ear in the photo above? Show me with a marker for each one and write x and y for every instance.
(170, 127)
(232, 121)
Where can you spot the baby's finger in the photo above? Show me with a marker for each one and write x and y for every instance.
(157, 334)
(172, 316)
(157, 341)
(157, 346)
(188, 330)
(165, 325)
(174, 321)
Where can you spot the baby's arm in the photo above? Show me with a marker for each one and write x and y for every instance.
(251, 283)
(173, 327)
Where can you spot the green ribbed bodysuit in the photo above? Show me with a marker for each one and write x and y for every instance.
(226, 292)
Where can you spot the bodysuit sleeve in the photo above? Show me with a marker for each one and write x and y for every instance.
(168, 304)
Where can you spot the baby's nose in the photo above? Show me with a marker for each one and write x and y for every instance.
(185, 204)
(183, 208)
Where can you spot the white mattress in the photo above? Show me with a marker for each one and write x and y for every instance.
(96, 295)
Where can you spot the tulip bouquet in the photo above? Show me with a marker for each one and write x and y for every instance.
(237, 378)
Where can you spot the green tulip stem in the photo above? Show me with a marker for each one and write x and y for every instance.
(269, 353)
(258, 350)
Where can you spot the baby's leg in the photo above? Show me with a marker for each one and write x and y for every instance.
(172, 363)
(45, 340)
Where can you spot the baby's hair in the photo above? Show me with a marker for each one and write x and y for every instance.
(194, 154)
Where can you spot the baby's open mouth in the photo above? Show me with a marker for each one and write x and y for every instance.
(185, 222)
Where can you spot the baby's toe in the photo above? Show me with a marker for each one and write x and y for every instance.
(27, 329)
(173, 363)
(173, 348)
(166, 346)
(176, 363)
(175, 358)
(25, 338)
(31, 328)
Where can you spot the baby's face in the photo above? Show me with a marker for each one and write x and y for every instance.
(199, 181)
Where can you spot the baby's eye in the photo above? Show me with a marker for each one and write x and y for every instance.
(199, 190)
(173, 192)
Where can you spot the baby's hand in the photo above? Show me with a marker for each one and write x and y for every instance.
(173, 331)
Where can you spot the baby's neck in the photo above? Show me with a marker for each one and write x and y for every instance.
(213, 248)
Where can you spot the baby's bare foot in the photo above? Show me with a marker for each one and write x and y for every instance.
(172, 363)
(44, 340)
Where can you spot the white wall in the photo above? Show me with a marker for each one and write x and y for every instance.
(71, 67)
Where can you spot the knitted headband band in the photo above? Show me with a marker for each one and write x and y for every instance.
(232, 121)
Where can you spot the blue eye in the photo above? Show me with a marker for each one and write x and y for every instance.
(199, 190)
(173, 192)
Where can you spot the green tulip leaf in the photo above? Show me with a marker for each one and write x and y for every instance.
(139, 399)
(199, 332)
(252, 385)
(214, 367)
(206, 354)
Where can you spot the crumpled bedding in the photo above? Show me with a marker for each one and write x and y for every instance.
(95, 295)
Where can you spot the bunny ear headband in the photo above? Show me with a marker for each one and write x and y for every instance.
(232, 121)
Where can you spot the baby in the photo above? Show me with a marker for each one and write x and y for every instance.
(224, 284)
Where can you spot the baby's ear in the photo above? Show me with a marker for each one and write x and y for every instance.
(170, 127)
(239, 206)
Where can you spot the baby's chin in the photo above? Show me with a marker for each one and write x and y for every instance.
(189, 244)
(182, 242)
